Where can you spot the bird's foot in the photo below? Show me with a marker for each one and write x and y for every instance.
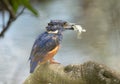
(54, 62)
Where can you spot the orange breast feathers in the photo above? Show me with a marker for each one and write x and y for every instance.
(51, 54)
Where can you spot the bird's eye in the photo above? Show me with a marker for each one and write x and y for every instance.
(65, 23)
(48, 23)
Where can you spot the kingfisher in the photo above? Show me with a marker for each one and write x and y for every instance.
(48, 43)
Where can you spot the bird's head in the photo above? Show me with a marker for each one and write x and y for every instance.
(55, 26)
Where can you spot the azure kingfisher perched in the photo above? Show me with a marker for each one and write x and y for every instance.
(47, 43)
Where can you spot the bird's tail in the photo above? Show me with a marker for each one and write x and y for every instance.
(33, 66)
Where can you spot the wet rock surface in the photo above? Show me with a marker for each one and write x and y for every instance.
(86, 73)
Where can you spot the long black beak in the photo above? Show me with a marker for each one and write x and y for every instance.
(69, 26)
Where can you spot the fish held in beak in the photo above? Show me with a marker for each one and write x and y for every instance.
(78, 29)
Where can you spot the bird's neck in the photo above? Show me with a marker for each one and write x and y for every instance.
(53, 32)
(56, 33)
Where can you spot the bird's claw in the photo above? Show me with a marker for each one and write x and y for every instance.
(54, 62)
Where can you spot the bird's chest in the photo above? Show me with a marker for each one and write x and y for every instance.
(58, 37)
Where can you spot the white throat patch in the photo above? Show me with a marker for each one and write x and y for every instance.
(54, 32)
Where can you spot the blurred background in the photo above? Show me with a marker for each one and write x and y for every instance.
(101, 42)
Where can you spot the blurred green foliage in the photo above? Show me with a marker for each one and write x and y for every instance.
(12, 7)
(15, 4)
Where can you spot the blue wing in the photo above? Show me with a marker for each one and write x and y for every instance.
(43, 44)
